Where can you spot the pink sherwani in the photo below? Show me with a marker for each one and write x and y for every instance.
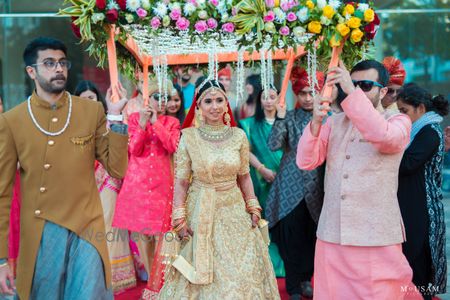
(147, 189)
(360, 230)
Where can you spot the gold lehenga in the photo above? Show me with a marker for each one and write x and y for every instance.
(226, 258)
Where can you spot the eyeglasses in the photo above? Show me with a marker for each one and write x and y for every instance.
(52, 65)
(366, 85)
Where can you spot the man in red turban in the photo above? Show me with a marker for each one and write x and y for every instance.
(302, 89)
(295, 198)
(397, 76)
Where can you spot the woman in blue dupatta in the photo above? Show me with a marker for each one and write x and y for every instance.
(420, 190)
(264, 163)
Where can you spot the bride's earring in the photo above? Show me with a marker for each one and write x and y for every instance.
(227, 118)
(198, 117)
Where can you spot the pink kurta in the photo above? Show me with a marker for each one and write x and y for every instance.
(147, 188)
(360, 231)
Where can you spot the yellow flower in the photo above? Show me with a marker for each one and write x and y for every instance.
(310, 4)
(356, 35)
(328, 12)
(354, 22)
(349, 9)
(343, 29)
(277, 3)
(314, 27)
(369, 15)
(334, 42)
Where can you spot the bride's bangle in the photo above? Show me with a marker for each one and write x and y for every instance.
(179, 213)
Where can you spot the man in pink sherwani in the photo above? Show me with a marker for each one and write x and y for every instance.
(358, 250)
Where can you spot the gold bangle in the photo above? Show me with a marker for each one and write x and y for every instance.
(260, 167)
(179, 213)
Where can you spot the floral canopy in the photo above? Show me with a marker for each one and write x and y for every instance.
(160, 33)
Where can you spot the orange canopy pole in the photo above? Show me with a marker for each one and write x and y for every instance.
(112, 63)
(145, 84)
(287, 75)
(334, 62)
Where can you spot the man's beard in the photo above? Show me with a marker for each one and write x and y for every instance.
(50, 86)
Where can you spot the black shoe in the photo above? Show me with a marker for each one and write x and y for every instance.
(295, 297)
(307, 290)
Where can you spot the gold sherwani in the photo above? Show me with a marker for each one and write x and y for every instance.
(226, 258)
(57, 176)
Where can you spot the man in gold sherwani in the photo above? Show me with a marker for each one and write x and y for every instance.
(56, 138)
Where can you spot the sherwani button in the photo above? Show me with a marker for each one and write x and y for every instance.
(37, 212)
(42, 189)
(47, 166)
(345, 176)
(54, 120)
(347, 156)
(51, 142)
(343, 197)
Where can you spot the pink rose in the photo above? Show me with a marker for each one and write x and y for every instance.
(228, 27)
(269, 17)
(285, 6)
(212, 23)
(270, 3)
(175, 14)
(291, 17)
(201, 26)
(182, 23)
(142, 13)
(214, 2)
(284, 30)
(155, 22)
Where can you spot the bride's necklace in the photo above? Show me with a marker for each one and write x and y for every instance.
(42, 129)
(217, 133)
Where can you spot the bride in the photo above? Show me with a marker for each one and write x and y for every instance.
(215, 211)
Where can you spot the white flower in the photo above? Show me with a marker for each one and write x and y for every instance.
(335, 4)
(174, 5)
(341, 19)
(321, 3)
(133, 5)
(302, 15)
(201, 2)
(129, 18)
(113, 5)
(160, 10)
(325, 21)
(280, 15)
(280, 44)
(189, 9)
(347, 17)
(97, 18)
(225, 17)
(145, 4)
(249, 37)
(363, 7)
(203, 14)
(299, 31)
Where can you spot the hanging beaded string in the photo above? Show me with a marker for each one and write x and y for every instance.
(69, 114)
(240, 74)
(312, 71)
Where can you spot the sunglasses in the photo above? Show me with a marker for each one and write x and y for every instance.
(366, 85)
(392, 91)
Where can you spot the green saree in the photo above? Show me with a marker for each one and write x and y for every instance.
(257, 134)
